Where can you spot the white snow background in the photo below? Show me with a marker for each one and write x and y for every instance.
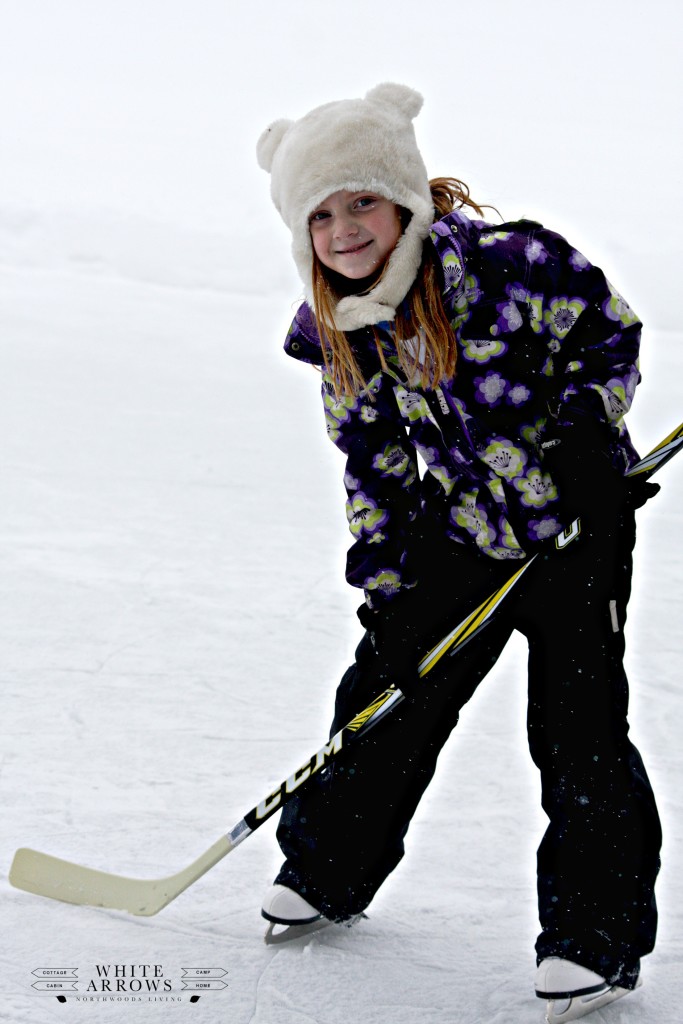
(173, 611)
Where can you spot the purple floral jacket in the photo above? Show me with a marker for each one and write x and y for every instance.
(538, 329)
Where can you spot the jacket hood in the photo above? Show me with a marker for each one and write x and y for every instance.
(447, 235)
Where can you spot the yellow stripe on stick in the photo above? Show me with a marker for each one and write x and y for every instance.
(359, 721)
(470, 625)
(656, 456)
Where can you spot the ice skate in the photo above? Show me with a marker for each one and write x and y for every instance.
(573, 991)
(289, 916)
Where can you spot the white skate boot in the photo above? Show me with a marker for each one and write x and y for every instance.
(289, 915)
(573, 991)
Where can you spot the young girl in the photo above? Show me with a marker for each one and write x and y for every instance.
(476, 377)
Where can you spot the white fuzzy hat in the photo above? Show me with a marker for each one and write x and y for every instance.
(353, 145)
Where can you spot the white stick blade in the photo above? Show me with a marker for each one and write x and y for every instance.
(57, 879)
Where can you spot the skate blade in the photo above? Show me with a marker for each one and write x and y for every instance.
(278, 932)
(559, 1011)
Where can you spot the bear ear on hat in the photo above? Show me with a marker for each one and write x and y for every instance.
(267, 146)
(402, 97)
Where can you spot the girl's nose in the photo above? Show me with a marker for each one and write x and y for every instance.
(345, 226)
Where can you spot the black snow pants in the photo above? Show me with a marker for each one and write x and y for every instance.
(599, 858)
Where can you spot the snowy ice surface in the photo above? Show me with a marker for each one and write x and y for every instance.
(174, 622)
(173, 613)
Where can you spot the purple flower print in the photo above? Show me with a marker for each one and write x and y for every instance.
(510, 318)
(491, 389)
(542, 529)
(536, 252)
(578, 261)
(518, 395)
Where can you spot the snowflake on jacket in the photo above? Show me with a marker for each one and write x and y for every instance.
(539, 330)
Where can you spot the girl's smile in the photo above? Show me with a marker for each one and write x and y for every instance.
(354, 233)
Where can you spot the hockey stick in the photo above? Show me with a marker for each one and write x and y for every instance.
(45, 875)
(48, 876)
(659, 455)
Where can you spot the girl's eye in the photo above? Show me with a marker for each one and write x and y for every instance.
(318, 216)
(366, 201)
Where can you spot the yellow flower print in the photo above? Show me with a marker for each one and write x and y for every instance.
(412, 405)
(364, 517)
(617, 308)
(393, 461)
(536, 488)
(340, 408)
(504, 458)
(386, 582)
(562, 314)
(491, 237)
(472, 518)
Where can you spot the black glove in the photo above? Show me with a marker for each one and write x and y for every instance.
(578, 456)
(395, 633)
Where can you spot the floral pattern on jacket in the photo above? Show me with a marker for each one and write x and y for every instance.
(539, 331)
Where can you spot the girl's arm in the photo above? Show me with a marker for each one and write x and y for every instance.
(382, 485)
(592, 334)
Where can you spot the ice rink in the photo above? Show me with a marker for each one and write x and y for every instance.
(173, 612)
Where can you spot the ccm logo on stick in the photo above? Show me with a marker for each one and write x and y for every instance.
(300, 775)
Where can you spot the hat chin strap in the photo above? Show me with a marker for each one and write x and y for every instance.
(381, 302)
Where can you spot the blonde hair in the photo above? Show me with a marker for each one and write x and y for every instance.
(422, 316)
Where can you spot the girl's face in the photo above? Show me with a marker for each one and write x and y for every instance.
(354, 233)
